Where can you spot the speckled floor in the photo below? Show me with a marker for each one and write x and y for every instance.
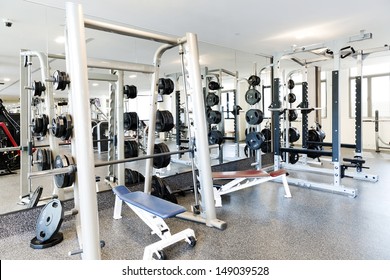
(262, 224)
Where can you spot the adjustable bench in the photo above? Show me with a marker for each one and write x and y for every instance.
(245, 179)
(152, 210)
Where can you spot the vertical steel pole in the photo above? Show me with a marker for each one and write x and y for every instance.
(202, 145)
(85, 182)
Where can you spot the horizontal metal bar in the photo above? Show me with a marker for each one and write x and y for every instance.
(328, 144)
(111, 162)
(306, 151)
(122, 30)
(9, 149)
(55, 171)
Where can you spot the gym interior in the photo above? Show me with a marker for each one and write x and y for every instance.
(194, 130)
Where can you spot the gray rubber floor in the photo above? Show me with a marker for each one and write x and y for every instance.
(262, 225)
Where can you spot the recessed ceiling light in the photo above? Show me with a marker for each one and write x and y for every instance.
(95, 84)
(6, 79)
(60, 40)
(132, 76)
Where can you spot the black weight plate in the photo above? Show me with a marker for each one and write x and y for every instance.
(214, 117)
(290, 84)
(130, 91)
(293, 158)
(131, 149)
(254, 80)
(71, 175)
(313, 154)
(214, 85)
(267, 134)
(162, 161)
(49, 159)
(49, 220)
(291, 98)
(45, 123)
(37, 125)
(254, 140)
(292, 115)
(212, 99)
(67, 119)
(41, 159)
(249, 130)
(266, 147)
(215, 137)
(38, 88)
(254, 116)
(252, 96)
(61, 180)
(293, 134)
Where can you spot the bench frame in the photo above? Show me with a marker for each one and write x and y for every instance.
(156, 224)
(245, 179)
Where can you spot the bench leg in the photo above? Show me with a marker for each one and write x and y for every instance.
(118, 208)
(286, 187)
(154, 248)
(217, 198)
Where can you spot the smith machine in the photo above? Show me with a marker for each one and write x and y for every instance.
(82, 167)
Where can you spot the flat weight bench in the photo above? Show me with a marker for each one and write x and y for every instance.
(152, 210)
(245, 179)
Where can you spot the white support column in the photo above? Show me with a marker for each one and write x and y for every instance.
(202, 150)
(85, 179)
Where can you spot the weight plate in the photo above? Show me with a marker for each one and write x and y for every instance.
(254, 116)
(254, 80)
(41, 158)
(290, 84)
(61, 180)
(67, 120)
(215, 137)
(130, 91)
(49, 220)
(212, 99)
(313, 154)
(291, 98)
(45, 119)
(293, 134)
(267, 134)
(214, 117)
(71, 175)
(292, 115)
(214, 85)
(162, 161)
(252, 96)
(254, 140)
(165, 86)
(266, 147)
(38, 88)
(37, 125)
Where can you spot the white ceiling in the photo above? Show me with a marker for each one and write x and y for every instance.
(233, 34)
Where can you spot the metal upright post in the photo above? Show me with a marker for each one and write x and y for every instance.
(85, 179)
(336, 129)
(202, 146)
(358, 107)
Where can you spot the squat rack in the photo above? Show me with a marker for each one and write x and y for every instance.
(336, 47)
